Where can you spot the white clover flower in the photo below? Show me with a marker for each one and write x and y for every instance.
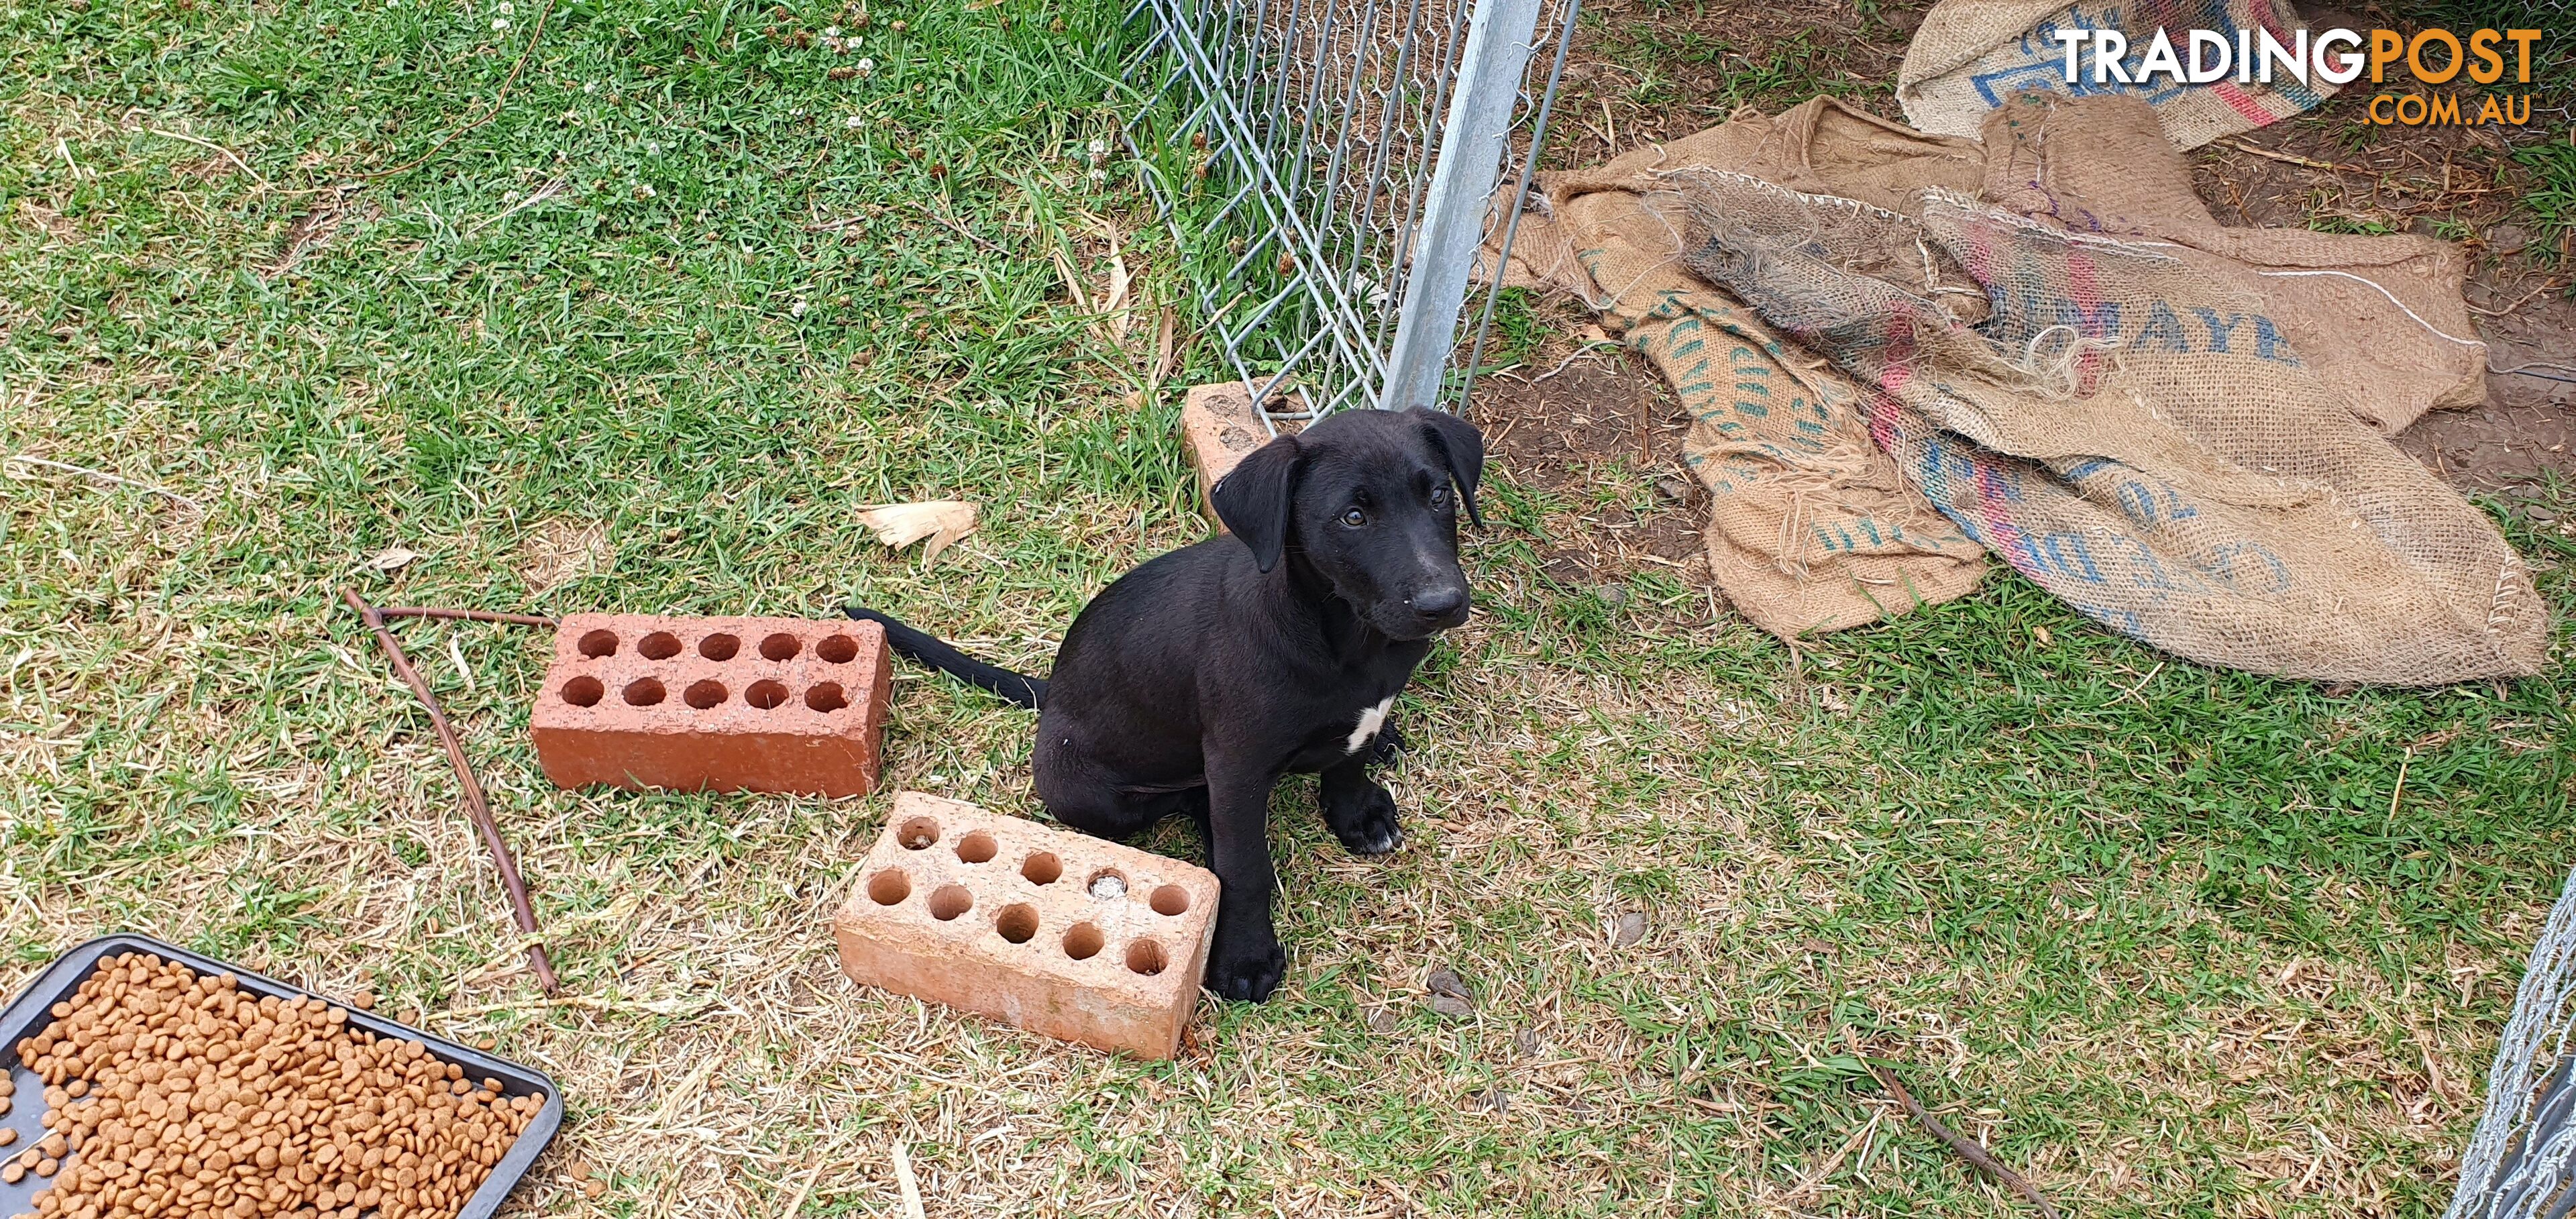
(854, 122)
(867, 67)
(1099, 175)
(797, 309)
(590, 86)
(499, 24)
(831, 31)
(505, 8)
(653, 147)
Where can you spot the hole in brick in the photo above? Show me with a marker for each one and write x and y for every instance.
(1145, 957)
(976, 847)
(599, 643)
(1107, 884)
(1018, 923)
(660, 645)
(918, 833)
(643, 692)
(781, 646)
(888, 887)
(765, 694)
(704, 694)
(839, 650)
(1171, 899)
(1082, 941)
(584, 691)
(826, 696)
(949, 901)
(719, 646)
(1041, 868)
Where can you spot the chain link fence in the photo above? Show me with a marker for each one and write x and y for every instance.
(1329, 170)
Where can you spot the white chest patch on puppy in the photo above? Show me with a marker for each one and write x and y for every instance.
(1370, 719)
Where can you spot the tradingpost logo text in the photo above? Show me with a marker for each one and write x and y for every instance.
(2335, 57)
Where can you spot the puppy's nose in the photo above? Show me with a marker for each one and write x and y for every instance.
(1440, 602)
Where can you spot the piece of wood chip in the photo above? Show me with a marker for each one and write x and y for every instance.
(943, 521)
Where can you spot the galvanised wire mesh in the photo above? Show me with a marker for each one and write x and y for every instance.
(1296, 148)
(2521, 1163)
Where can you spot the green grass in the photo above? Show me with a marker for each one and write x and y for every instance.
(1783, 72)
(2551, 200)
(2174, 940)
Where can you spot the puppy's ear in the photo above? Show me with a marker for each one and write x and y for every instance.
(1253, 498)
(1463, 447)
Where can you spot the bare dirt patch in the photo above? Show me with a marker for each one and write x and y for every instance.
(1651, 70)
(1600, 432)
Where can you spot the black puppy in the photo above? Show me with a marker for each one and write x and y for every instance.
(1195, 681)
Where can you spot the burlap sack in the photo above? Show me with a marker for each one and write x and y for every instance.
(1811, 527)
(1969, 56)
(2381, 319)
(1819, 517)
(2184, 476)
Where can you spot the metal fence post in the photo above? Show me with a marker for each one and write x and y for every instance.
(1472, 143)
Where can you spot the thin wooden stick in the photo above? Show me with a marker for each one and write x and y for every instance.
(1968, 1149)
(477, 808)
(122, 480)
(423, 611)
(227, 153)
(2292, 159)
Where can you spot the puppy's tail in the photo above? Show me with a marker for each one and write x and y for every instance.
(929, 650)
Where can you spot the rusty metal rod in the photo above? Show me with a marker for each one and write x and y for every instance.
(1968, 1149)
(476, 807)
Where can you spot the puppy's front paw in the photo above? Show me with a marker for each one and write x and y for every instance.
(1388, 743)
(1365, 820)
(1247, 976)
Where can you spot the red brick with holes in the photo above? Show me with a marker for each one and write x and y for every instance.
(1059, 933)
(714, 704)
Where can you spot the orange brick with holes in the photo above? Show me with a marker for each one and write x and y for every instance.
(1059, 933)
(714, 704)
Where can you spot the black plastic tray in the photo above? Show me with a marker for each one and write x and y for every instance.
(30, 1012)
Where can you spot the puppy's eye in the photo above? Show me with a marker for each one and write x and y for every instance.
(1440, 496)
(1355, 518)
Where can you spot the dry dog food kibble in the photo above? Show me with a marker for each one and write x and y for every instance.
(169, 1093)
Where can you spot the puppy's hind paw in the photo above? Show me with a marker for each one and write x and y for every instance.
(1367, 823)
(1248, 977)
